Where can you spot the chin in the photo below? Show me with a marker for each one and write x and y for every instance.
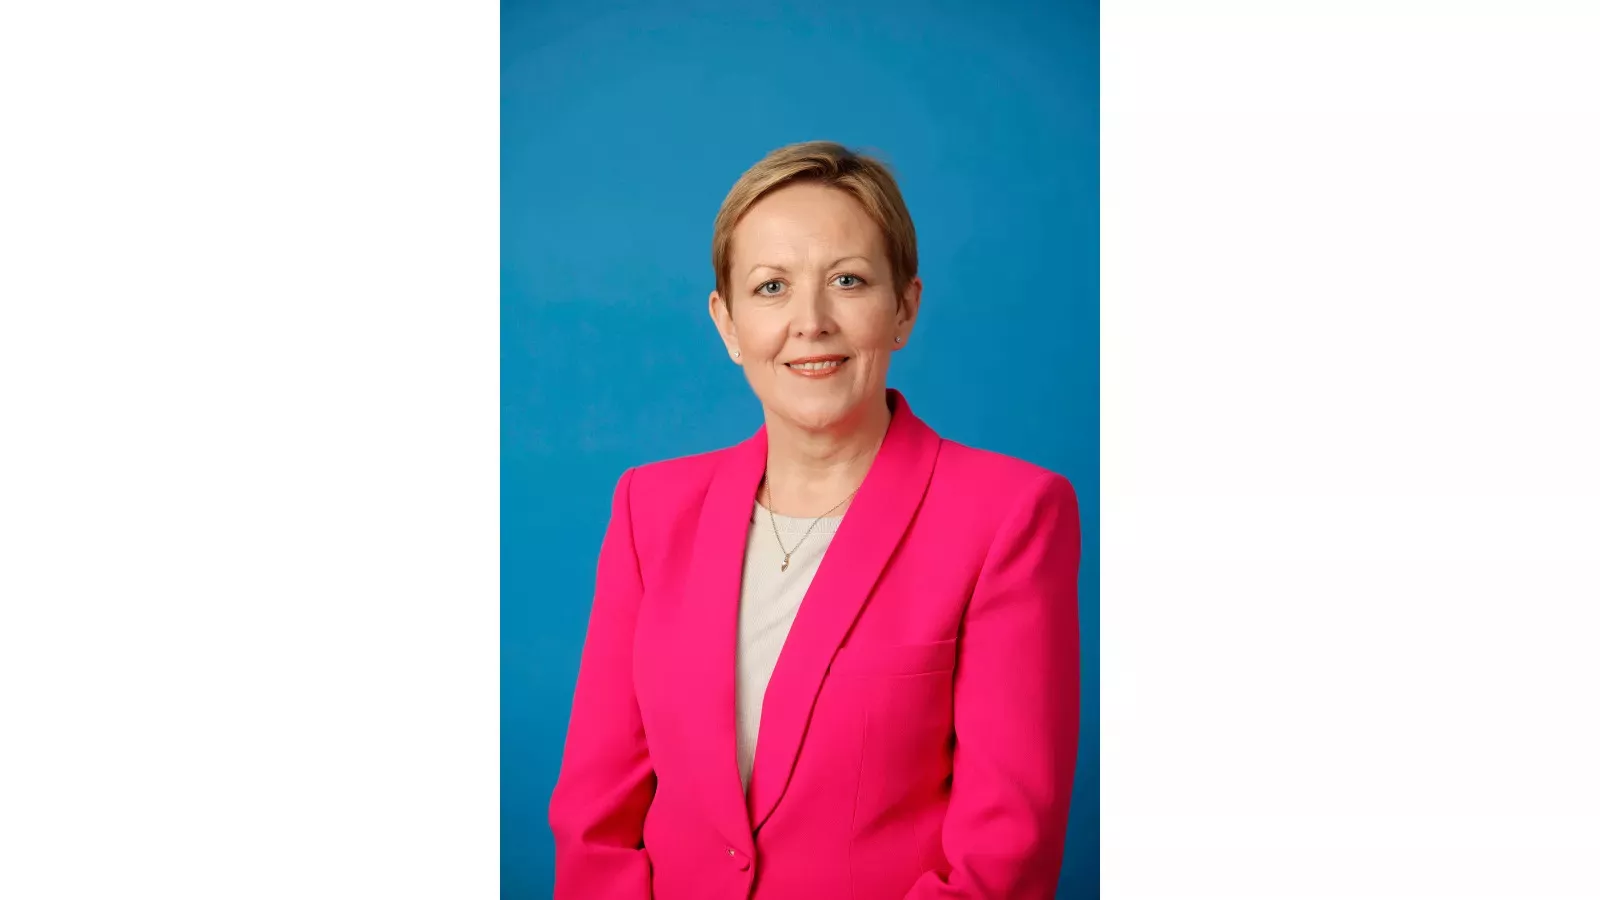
(821, 413)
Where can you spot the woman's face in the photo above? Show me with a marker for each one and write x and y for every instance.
(811, 309)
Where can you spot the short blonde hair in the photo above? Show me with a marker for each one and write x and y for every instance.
(866, 179)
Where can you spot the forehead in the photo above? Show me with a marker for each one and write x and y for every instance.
(798, 218)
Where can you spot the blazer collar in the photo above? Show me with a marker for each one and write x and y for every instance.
(872, 528)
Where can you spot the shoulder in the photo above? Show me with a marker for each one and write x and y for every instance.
(999, 500)
(1002, 480)
(668, 482)
(1018, 516)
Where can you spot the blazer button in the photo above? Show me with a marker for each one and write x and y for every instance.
(739, 861)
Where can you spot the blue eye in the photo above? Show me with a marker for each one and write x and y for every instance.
(763, 289)
(854, 281)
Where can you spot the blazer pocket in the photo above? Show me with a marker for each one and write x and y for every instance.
(894, 659)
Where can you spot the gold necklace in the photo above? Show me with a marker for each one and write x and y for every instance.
(790, 552)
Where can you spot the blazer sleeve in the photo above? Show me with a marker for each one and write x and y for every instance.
(606, 780)
(1016, 710)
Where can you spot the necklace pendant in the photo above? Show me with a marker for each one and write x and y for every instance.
(785, 563)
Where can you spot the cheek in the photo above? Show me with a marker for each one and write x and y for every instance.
(758, 337)
(875, 333)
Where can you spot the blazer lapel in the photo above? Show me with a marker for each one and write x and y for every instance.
(711, 636)
(872, 528)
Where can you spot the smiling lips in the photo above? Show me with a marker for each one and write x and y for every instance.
(816, 366)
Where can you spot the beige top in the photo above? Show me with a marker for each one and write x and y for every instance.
(768, 601)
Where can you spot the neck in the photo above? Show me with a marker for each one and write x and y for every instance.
(809, 472)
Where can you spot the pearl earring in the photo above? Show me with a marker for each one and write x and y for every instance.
(735, 354)
(898, 339)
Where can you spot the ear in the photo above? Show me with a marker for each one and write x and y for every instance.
(723, 320)
(906, 315)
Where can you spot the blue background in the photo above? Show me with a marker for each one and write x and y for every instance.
(623, 126)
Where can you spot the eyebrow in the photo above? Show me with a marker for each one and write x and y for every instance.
(777, 268)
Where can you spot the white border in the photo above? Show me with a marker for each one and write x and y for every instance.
(1350, 377)
(249, 471)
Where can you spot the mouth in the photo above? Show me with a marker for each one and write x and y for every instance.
(816, 366)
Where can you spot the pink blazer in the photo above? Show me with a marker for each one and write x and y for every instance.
(919, 734)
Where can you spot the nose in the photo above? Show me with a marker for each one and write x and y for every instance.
(812, 313)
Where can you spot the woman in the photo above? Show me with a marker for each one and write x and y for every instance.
(840, 659)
